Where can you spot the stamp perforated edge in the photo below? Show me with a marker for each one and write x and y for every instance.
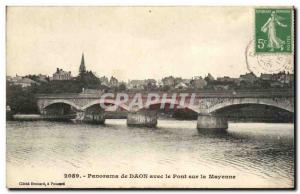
(292, 30)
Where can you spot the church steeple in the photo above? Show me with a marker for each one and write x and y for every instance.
(82, 65)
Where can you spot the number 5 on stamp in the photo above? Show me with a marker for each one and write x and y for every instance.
(273, 30)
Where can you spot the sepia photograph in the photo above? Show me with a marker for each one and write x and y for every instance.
(150, 97)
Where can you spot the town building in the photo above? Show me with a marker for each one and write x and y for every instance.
(136, 84)
(181, 86)
(15, 79)
(177, 80)
(266, 77)
(198, 82)
(287, 78)
(104, 81)
(60, 74)
(159, 84)
(42, 78)
(186, 81)
(150, 83)
(248, 77)
(227, 80)
(23, 81)
(224, 79)
(168, 81)
(283, 77)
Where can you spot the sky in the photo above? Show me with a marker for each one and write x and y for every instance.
(129, 42)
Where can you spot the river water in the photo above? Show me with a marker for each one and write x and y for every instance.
(257, 154)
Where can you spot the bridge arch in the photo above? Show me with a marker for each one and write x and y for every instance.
(281, 104)
(61, 101)
(105, 101)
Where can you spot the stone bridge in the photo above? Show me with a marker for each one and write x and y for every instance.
(203, 103)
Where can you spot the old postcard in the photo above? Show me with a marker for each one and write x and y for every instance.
(150, 97)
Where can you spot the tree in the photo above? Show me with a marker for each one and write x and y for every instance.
(89, 80)
(21, 100)
(122, 87)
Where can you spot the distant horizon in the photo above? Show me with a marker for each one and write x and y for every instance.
(108, 76)
(152, 78)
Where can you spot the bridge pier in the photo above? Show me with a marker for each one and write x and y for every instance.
(94, 118)
(211, 122)
(143, 118)
(90, 117)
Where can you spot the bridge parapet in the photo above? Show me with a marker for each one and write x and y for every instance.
(205, 102)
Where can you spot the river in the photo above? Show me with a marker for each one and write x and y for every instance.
(257, 154)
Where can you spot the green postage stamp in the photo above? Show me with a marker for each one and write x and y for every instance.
(273, 30)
